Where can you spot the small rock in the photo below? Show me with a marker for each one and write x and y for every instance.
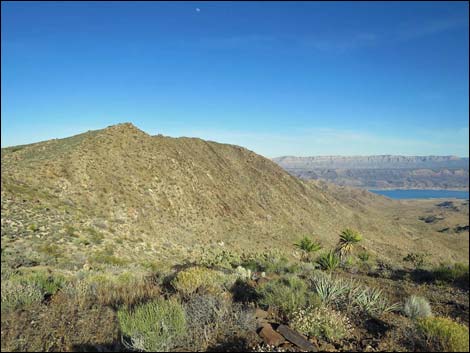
(270, 336)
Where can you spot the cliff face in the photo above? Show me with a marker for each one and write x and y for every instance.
(423, 172)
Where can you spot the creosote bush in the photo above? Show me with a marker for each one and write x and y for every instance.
(444, 334)
(156, 326)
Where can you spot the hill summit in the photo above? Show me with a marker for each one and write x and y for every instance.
(178, 193)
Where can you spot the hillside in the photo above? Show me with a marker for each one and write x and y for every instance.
(148, 197)
(382, 172)
(113, 238)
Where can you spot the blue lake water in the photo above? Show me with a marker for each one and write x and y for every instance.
(422, 194)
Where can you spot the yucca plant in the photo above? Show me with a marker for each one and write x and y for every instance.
(328, 261)
(347, 239)
(308, 247)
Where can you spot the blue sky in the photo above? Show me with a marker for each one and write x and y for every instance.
(280, 78)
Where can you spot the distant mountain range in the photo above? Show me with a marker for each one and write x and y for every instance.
(382, 172)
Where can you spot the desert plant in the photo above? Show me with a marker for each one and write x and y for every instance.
(451, 273)
(203, 315)
(416, 307)
(219, 258)
(190, 280)
(347, 239)
(16, 295)
(372, 301)
(321, 322)
(418, 260)
(308, 247)
(444, 334)
(364, 256)
(286, 294)
(328, 261)
(329, 289)
(156, 326)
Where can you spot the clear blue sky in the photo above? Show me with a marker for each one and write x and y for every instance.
(280, 78)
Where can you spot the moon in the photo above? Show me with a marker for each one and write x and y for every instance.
(198, 9)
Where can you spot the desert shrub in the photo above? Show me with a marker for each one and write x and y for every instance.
(418, 260)
(444, 334)
(321, 322)
(328, 261)
(451, 273)
(417, 307)
(285, 294)
(203, 315)
(16, 295)
(211, 318)
(156, 326)
(219, 258)
(190, 280)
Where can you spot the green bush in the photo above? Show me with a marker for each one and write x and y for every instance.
(444, 334)
(219, 258)
(286, 294)
(417, 307)
(328, 261)
(156, 326)
(321, 322)
(190, 280)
